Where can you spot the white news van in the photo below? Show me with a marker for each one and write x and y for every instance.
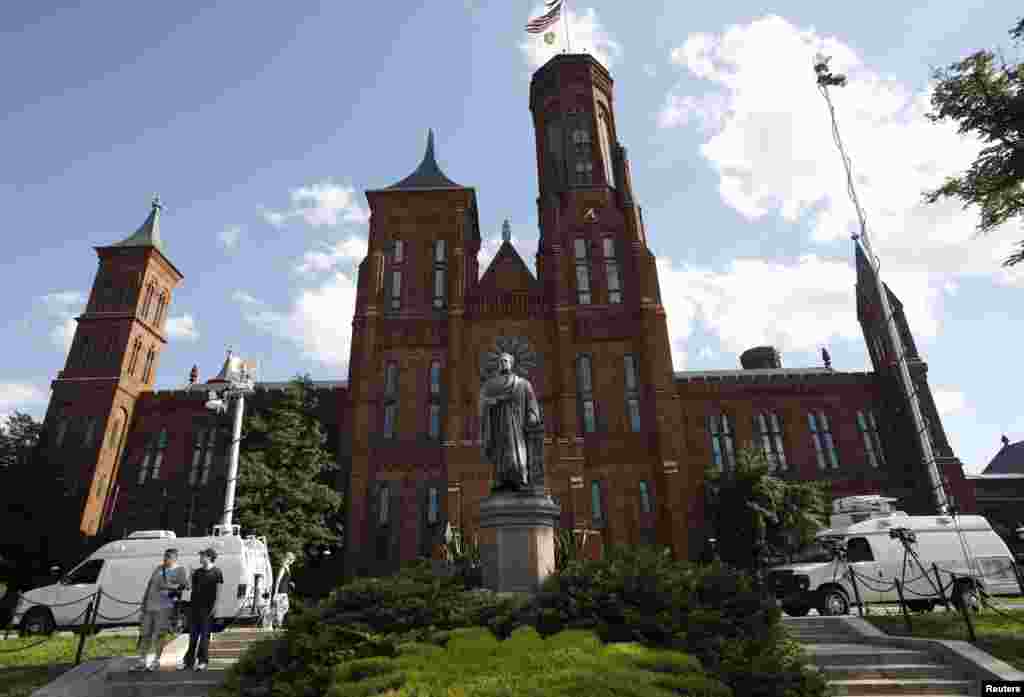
(869, 532)
(123, 568)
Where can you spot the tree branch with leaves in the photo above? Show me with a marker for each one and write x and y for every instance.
(984, 96)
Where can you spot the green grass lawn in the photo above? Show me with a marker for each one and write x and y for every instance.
(22, 672)
(1001, 635)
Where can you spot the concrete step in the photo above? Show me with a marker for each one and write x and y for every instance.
(164, 683)
(901, 671)
(225, 653)
(234, 643)
(861, 655)
(887, 686)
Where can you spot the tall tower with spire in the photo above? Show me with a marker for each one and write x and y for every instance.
(112, 360)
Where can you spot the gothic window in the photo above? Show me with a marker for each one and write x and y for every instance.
(90, 431)
(105, 297)
(582, 271)
(611, 264)
(605, 136)
(585, 390)
(110, 355)
(133, 362)
(433, 505)
(150, 290)
(204, 448)
(723, 445)
(768, 428)
(868, 427)
(147, 372)
(556, 159)
(821, 436)
(584, 172)
(581, 139)
(440, 273)
(398, 252)
(434, 408)
(84, 351)
(153, 456)
(596, 503)
(161, 306)
(396, 290)
(390, 399)
(632, 393)
(62, 431)
(383, 504)
(645, 497)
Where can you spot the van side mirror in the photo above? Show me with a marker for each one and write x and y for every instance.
(55, 570)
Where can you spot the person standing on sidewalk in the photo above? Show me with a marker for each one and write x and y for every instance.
(207, 581)
(165, 586)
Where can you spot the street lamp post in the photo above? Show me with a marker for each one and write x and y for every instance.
(238, 384)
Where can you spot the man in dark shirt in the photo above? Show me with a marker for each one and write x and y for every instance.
(206, 584)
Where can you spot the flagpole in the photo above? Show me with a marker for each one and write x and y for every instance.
(568, 42)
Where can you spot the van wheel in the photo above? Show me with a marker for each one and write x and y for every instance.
(833, 603)
(796, 610)
(38, 620)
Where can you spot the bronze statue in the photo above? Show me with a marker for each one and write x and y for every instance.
(510, 421)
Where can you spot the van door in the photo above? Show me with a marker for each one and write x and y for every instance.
(861, 560)
(124, 582)
(77, 589)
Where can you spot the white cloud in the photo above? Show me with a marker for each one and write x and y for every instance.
(243, 298)
(771, 144)
(63, 306)
(949, 401)
(587, 35)
(352, 249)
(15, 396)
(323, 203)
(183, 327)
(230, 236)
(319, 322)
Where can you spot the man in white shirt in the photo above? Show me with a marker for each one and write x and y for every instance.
(164, 588)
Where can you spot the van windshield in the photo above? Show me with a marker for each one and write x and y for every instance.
(814, 553)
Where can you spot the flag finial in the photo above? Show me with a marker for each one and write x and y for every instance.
(506, 231)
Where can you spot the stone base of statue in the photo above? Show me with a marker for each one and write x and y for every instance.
(517, 540)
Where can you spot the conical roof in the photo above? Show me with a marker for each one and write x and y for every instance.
(428, 175)
(148, 235)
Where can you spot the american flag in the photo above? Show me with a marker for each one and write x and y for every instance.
(539, 24)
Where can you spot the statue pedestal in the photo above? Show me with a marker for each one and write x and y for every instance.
(517, 540)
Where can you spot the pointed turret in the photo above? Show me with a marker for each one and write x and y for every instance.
(148, 235)
(428, 175)
(506, 231)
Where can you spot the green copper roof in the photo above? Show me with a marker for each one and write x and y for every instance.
(428, 175)
(148, 235)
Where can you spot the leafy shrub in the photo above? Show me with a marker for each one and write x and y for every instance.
(572, 663)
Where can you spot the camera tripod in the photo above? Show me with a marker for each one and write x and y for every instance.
(907, 538)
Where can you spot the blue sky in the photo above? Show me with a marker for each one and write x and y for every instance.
(260, 125)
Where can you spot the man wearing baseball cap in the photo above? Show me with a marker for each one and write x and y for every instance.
(207, 581)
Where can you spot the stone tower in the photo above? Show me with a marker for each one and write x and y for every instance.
(112, 360)
(612, 352)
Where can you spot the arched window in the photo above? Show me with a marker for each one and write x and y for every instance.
(90, 431)
(611, 263)
(645, 497)
(868, 427)
(632, 393)
(434, 407)
(604, 130)
(150, 290)
(585, 393)
(582, 271)
(383, 504)
(147, 372)
(84, 351)
(821, 437)
(390, 399)
(768, 428)
(62, 431)
(596, 503)
(161, 306)
(723, 448)
(440, 274)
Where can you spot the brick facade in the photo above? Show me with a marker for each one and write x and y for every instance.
(628, 485)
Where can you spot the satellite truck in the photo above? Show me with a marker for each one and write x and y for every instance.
(122, 569)
(867, 537)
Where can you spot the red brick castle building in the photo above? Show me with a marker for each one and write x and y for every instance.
(627, 437)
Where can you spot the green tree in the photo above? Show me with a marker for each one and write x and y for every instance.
(750, 508)
(18, 438)
(284, 492)
(985, 96)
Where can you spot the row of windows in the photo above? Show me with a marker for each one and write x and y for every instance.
(89, 355)
(87, 426)
(133, 361)
(433, 507)
(110, 299)
(769, 436)
(440, 275)
(584, 293)
(207, 444)
(391, 400)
